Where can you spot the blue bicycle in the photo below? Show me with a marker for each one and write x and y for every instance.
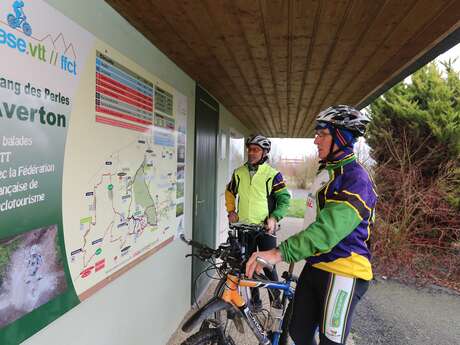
(18, 21)
(229, 307)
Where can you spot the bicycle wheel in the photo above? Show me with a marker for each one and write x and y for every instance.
(227, 318)
(233, 325)
(27, 28)
(11, 19)
(208, 336)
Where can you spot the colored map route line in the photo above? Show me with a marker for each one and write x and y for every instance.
(115, 155)
(137, 220)
(84, 295)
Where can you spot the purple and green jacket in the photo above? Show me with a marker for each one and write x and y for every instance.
(337, 241)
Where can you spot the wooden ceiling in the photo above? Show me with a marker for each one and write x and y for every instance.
(276, 63)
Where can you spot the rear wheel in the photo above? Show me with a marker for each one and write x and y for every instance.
(232, 323)
(229, 320)
(12, 21)
(210, 336)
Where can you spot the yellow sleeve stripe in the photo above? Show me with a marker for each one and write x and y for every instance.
(359, 198)
(282, 182)
(346, 202)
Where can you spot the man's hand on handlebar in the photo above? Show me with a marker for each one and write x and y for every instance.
(232, 217)
(270, 225)
(272, 256)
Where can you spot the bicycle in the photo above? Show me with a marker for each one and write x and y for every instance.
(16, 22)
(228, 300)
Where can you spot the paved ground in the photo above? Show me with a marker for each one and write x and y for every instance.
(298, 193)
(390, 313)
(393, 313)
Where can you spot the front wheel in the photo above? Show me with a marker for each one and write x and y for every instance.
(210, 336)
(27, 28)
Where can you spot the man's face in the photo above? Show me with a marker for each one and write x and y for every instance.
(323, 140)
(255, 153)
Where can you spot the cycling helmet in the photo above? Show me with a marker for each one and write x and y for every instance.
(260, 141)
(344, 116)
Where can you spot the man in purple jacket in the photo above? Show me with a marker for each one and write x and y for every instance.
(335, 242)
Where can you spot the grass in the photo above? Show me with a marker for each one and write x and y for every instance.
(296, 208)
(6, 250)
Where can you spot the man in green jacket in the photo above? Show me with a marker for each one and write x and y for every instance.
(262, 198)
(335, 243)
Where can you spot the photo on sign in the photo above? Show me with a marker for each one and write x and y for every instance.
(180, 190)
(180, 171)
(179, 209)
(180, 226)
(180, 153)
(31, 272)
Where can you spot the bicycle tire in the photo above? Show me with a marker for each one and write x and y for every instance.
(12, 21)
(222, 315)
(209, 336)
(27, 29)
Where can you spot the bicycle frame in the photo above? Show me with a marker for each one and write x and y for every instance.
(229, 299)
(232, 295)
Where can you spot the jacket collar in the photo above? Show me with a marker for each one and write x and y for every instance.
(340, 161)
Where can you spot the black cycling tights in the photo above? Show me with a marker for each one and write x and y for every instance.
(325, 300)
(261, 243)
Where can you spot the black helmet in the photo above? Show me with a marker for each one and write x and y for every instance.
(260, 141)
(346, 117)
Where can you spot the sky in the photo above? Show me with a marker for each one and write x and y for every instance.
(298, 148)
(453, 53)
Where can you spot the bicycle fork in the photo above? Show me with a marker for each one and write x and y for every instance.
(255, 326)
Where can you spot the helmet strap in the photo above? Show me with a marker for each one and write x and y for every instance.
(332, 153)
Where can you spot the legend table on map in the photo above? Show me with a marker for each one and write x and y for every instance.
(123, 98)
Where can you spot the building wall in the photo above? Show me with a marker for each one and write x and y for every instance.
(227, 122)
(146, 304)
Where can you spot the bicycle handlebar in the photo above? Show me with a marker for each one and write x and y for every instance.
(265, 263)
(205, 252)
(247, 227)
(260, 228)
(191, 242)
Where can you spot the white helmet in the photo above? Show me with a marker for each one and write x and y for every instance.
(260, 141)
(346, 117)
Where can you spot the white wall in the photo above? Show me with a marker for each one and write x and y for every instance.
(227, 121)
(146, 304)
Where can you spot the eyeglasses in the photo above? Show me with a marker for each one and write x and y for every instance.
(321, 135)
(255, 149)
